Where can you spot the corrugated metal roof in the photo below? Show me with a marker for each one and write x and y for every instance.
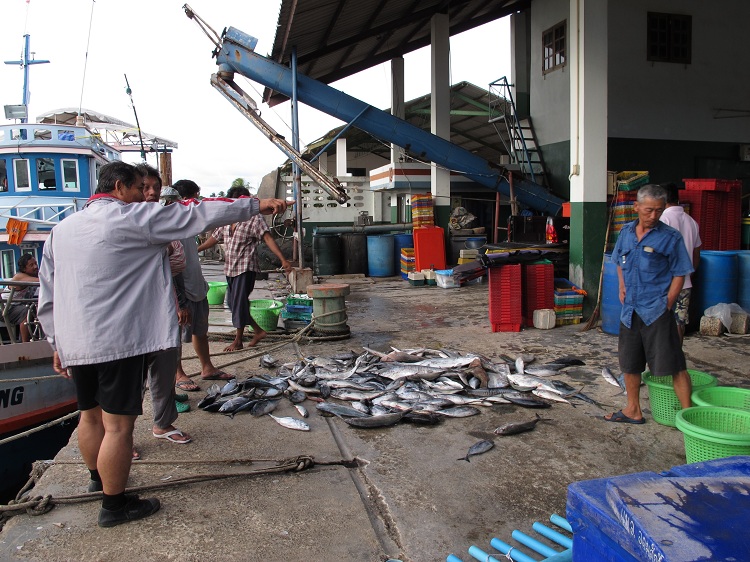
(338, 38)
(470, 126)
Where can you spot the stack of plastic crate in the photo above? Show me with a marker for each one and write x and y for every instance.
(407, 262)
(298, 309)
(568, 302)
(421, 210)
(716, 206)
(623, 212)
(505, 298)
(538, 289)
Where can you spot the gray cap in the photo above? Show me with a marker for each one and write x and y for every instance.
(169, 193)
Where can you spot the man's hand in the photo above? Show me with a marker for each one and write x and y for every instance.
(286, 266)
(183, 316)
(57, 366)
(274, 206)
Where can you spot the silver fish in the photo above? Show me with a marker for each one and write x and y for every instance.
(549, 395)
(291, 423)
(519, 366)
(211, 395)
(232, 404)
(262, 407)
(375, 421)
(611, 379)
(540, 371)
(338, 409)
(302, 410)
(459, 412)
(268, 362)
(232, 387)
(513, 428)
(395, 371)
(477, 449)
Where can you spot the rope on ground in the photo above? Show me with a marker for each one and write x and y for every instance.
(40, 428)
(292, 338)
(38, 505)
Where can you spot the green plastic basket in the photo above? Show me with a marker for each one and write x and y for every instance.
(266, 313)
(664, 402)
(714, 433)
(217, 290)
(723, 397)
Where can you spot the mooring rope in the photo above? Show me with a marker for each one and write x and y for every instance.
(40, 428)
(39, 505)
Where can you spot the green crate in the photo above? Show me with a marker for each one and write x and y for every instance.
(664, 402)
(723, 397)
(299, 299)
(266, 313)
(714, 433)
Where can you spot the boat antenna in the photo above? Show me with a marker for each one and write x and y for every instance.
(137, 124)
(86, 58)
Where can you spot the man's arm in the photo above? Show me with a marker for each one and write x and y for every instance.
(696, 258)
(209, 243)
(271, 243)
(674, 291)
(621, 281)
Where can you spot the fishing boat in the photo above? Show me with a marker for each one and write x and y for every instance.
(48, 170)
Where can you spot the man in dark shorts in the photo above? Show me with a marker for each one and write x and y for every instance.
(104, 282)
(241, 266)
(652, 263)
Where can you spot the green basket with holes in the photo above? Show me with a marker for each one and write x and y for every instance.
(266, 313)
(664, 402)
(723, 397)
(712, 432)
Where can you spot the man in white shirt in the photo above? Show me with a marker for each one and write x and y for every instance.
(676, 217)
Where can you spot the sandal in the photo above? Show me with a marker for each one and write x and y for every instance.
(182, 407)
(170, 436)
(136, 455)
(187, 385)
(219, 376)
(181, 397)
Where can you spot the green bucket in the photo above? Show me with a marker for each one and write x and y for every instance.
(664, 402)
(723, 397)
(216, 292)
(714, 433)
(266, 313)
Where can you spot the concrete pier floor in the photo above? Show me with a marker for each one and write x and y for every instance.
(407, 497)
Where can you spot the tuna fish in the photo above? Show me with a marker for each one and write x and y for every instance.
(477, 449)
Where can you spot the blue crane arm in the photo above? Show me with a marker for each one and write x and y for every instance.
(236, 54)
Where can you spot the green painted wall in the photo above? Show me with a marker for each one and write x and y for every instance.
(557, 161)
(588, 227)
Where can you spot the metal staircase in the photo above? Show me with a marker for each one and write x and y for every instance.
(517, 135)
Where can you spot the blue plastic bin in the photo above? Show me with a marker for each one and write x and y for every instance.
(668, 517)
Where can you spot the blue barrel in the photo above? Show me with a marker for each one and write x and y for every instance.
(380, 256)
(401, 241)
(716, 280)
(327, 254)
(611, 306)
(354, 252)
(743, 279)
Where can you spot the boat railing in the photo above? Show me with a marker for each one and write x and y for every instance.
(40, 214)
(9, 297)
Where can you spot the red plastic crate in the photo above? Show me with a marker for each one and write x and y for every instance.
(711, 184)
(505, 298)
(538, 289)
(706, 209)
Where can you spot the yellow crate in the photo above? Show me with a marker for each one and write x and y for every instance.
(630, 180)
(565, 320)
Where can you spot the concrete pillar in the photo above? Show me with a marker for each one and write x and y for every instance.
(440, 124)
(520, 55)
(587, 48)
(398, 109)
(323, 163)
(340, 157)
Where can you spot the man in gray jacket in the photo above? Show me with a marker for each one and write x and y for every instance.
(103, 304)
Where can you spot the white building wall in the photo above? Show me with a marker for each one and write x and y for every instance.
(660, 100)
(549, 99)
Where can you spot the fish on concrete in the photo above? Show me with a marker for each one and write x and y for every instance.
(291, 423)
(513, 428)
(375, 421)
(477, 449)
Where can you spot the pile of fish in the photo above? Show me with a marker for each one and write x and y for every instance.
(375, 389)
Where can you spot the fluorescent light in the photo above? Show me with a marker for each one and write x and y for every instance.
(16, 112)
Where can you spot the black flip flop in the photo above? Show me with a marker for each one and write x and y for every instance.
(619, 417)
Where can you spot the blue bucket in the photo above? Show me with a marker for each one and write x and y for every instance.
(716, 279)
(611, 305)
(401, 241)
(380, 256)
(743, 279)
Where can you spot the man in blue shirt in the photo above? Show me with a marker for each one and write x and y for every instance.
(652, 263)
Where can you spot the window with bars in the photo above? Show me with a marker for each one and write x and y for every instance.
(553, 48)
(669, 38)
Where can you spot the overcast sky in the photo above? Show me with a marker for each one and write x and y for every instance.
(167, 59)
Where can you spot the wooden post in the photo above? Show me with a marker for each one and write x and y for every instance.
(165, 167)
